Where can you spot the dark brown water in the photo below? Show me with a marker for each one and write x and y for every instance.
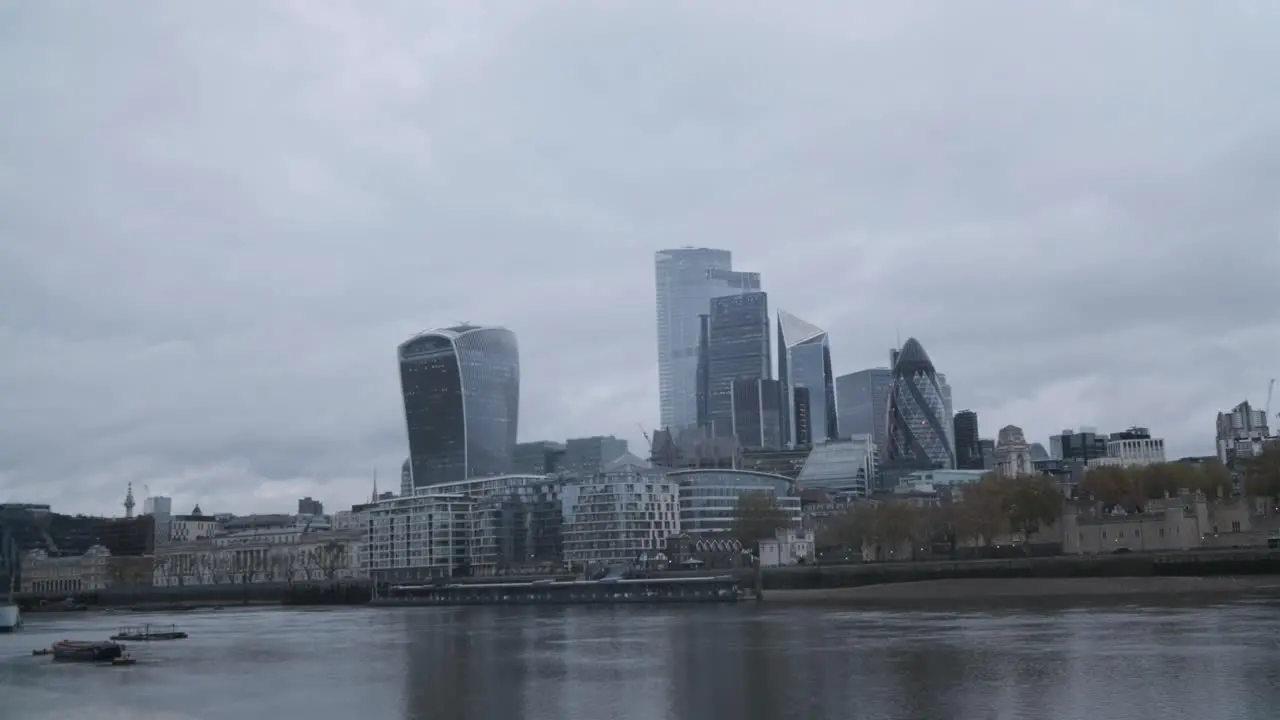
(585, 663)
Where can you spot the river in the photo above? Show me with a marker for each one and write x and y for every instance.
(649, 663)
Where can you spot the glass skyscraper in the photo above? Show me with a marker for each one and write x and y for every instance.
(686, 280)
(918, 425)
(804, 360)
(738, 349)
(461, 388)
(862, 402)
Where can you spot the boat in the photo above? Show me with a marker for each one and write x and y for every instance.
(86, 651)
(125, 659)
(147, 632)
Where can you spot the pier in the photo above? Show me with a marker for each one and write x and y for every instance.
(722, 588)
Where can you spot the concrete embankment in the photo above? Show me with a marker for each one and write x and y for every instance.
(984, 592)
(1189, 564)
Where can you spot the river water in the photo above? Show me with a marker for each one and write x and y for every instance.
(649, 663)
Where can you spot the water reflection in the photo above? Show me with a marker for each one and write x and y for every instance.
(746, 663)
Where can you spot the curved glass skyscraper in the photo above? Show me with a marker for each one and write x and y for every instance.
(461, 388)
(917, 411)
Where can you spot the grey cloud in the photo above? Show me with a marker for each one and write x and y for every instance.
(216, 223)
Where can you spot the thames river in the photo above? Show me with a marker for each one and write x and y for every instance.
(648, 663)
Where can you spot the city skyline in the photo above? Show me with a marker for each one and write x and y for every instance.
(202, 283)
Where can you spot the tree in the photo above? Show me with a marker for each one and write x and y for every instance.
(332, 558)
(1262, 473)
(1111, 484)
(1030, 503)
(981, 514)
(895, 524)
(756, 516)
(848, 528)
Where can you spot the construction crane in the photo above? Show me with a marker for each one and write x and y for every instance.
(647, 439)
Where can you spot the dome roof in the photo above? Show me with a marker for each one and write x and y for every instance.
(913, 359)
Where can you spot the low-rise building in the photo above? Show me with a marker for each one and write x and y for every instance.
(43, 574)
(789, 546)
(709, 498)
(260, 558)
(703, 551)
(1186, 522)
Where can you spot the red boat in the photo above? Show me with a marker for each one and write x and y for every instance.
(86, 651)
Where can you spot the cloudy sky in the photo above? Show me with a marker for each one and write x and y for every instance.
(217, 220)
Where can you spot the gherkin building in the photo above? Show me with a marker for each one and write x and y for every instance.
(917, 412)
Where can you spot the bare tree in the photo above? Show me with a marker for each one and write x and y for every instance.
(333, 557)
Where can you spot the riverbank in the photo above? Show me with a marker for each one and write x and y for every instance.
(980, 590)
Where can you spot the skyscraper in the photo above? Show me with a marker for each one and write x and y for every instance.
(687, 279)
(738, 349)
(461, 388)
(917, 413)
(968, 445)
(804, 360)
(757, 415)
(948, 410)
(862, 403)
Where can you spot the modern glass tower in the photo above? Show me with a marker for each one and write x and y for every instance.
(804, 360)
(461, 388)
(686, 280)
(918, 422)
(738, 346)
(862, 403)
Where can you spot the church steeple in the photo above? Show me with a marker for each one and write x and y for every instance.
(128, 502)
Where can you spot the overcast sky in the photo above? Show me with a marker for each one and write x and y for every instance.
(218, 220)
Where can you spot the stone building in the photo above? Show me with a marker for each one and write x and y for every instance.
(1012, 452)
(258, 557)
(43, 574)
(1186, 522)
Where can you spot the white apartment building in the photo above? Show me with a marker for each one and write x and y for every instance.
(418, 538)
(616, 516)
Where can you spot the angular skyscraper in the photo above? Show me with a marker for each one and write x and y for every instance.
(738, 349)
(917, 412)
(687, 279)
(862, 403)
(461, 388)
(804, 360)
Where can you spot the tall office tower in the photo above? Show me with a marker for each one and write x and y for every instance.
(738, 349)
(588, 456)
(968, 444)
(862, 403)
(800, 409)
(804, 360)
(949, 410)
(406, 478)
(757, 413)
(461, 388)
(703, 410)
(1242, 434)
(917, 423)
(687, 279)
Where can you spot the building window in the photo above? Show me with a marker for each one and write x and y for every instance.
(1235, 526)
(1161, 532)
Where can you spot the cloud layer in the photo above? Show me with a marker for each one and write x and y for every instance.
(217, 222)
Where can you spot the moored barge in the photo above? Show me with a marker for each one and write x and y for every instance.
(721, 588)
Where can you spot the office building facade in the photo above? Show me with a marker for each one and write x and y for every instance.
(862, 404)
(918, 427)
(804, 360)
(738, 349)
(968, 445)
(461, 390)
(686, 281)
(757, 413)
